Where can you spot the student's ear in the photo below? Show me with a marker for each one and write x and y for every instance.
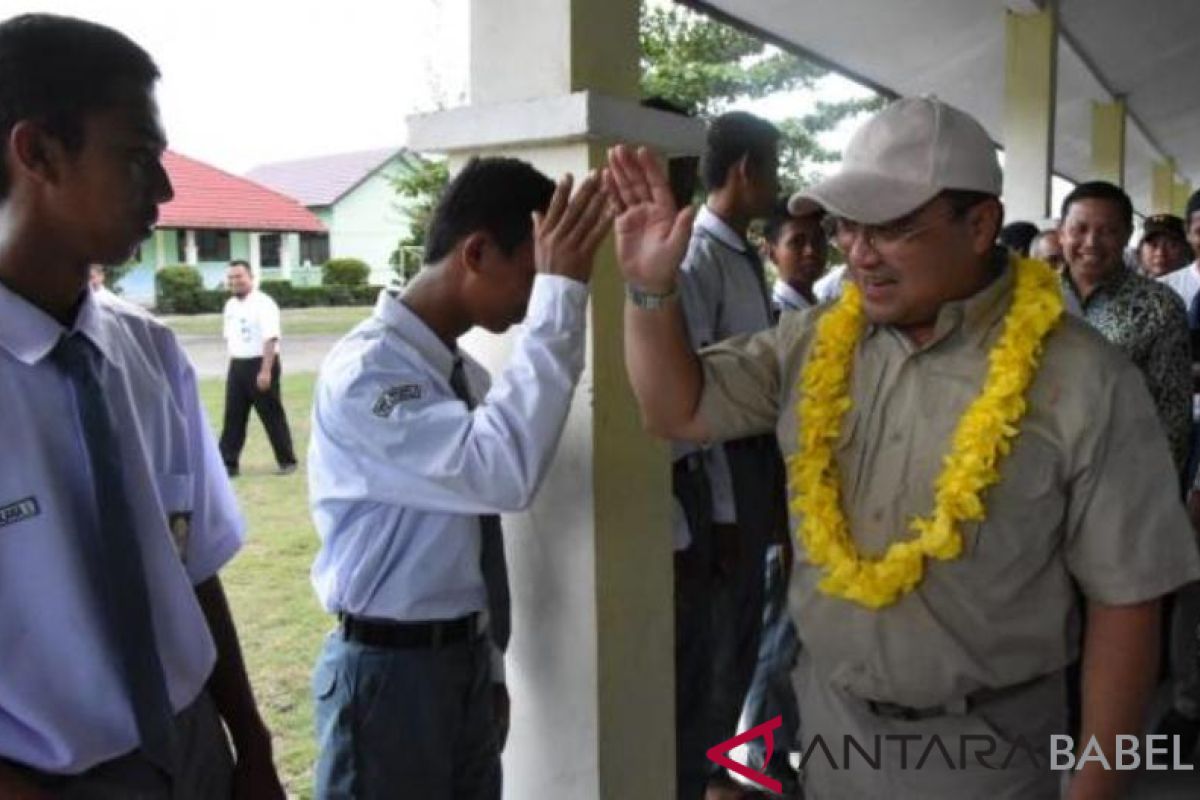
(473, 249)
(34, 152)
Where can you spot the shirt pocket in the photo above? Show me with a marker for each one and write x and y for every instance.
(176, 493)
(1025, 505)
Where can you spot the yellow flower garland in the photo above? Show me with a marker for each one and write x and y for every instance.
(982, 439)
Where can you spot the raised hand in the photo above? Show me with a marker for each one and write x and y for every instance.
(565, 238)
(651, 235)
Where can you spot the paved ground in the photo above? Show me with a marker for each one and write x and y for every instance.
(300, 353)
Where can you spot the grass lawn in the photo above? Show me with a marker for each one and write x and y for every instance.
(295, 322)
(280, 623)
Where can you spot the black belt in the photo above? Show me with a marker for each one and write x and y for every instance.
(965, 705)
(409, 635)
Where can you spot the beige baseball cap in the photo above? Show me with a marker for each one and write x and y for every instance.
(901, 158)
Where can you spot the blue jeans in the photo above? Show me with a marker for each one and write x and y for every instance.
(398, 723)
(771, 694)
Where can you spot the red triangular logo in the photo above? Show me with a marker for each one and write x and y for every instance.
(719, 754)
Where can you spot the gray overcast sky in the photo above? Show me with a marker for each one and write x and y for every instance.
(250, 81)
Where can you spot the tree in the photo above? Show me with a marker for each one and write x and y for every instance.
(418, 188)
(703, 67)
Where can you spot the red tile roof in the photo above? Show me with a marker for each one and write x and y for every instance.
(209, 198)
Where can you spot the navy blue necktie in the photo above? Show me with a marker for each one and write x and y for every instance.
(491, 556)
(112, 558)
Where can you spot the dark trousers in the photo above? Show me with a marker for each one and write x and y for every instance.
(718, 617)
(205, 773)
(405, 723)
(242, 393)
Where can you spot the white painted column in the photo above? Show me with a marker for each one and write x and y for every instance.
(190, 251)
(255, 258)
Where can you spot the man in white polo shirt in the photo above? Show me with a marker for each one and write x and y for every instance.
(252, 335)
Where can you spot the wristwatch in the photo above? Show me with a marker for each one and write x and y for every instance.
(651, 301)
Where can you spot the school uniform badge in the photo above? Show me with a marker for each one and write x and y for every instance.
(19, 511)
(180, 524)
(394, 396)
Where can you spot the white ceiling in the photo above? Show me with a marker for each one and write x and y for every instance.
(1145, 50)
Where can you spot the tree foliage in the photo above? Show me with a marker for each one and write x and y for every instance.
(703, 67)
(418, 189)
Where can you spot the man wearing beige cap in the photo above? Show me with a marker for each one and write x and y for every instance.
(966, 462)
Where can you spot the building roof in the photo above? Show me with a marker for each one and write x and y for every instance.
(209, 198)
(323, 180)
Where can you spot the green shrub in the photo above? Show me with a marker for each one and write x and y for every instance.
(177, 290)
(345, 272)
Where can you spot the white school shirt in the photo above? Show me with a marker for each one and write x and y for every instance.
(249, 322)
(63, 706)
(722, 295)
(399, 469)
(1185, 281)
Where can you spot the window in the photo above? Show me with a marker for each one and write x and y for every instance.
(213, 245)
(314, 248)
(181, 247)
(268, 249)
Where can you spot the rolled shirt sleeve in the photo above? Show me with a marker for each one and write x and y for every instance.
(1128, 537)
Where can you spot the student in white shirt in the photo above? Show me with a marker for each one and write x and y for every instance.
(411, 458)
(251, 325)
(121, 661)
(799, 248)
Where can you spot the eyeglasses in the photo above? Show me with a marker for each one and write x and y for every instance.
(881, 238)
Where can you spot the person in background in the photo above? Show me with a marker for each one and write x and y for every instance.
(798, 248)
(1164, 246)
(731, 495)
(252, 333)
(1047, 247)
(96, 278)
(1139, 315)
(1018, 236)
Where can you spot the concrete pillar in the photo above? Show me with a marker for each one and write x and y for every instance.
(1162, 190)
(289, 254)
(191, 252)
(160, 249)
(590, 667)
(1029, 96)
(1183, 190)
(1108, 142)
(255, 258)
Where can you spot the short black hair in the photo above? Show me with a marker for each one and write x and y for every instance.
(780, 216)
(1101, 190)
(496, 195)
(1018, 236)
(56, 70)
(1193, 207)
(240, 262)
(732, 136)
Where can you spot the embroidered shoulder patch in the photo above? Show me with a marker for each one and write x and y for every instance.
(19, 511)
(394, 396)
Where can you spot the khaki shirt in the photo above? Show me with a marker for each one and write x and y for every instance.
(1087, 495)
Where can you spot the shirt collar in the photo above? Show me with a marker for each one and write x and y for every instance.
(1110, 285)
(29, 333)
(787, 296)
(713, 225)
(391, 311)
